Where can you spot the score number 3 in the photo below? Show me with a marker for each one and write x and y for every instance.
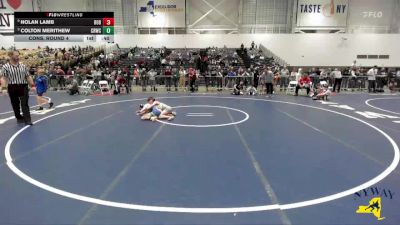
(108, 21)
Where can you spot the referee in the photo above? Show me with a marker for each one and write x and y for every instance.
(17, 76)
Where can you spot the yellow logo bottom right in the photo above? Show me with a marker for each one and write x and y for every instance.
(374, 207)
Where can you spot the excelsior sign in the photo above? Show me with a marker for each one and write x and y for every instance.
(161, 13)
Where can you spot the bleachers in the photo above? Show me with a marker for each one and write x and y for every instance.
(205, 61)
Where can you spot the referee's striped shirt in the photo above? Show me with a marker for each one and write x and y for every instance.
(15, 74)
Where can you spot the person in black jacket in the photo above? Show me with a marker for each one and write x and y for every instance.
(256, 77)
(238, 88)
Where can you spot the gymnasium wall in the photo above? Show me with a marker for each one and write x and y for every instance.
(68, 5)
(296, 49)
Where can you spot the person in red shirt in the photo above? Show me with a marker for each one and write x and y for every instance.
(121, 79)
(61, 79)
(70, 71)
(304, 82)
(168, 76)
(192, 79)
(136, 76)
(121, 83)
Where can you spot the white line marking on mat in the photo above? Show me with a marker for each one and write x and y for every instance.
(206, 125)
(200, 115)
(120, 175)
(385, 110)
(341, 194)
(260, 173)
(2, 121)
(32, 107)
(38, 148)
(363, 153)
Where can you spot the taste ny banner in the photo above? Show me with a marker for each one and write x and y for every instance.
(322, 13)
(161, 13)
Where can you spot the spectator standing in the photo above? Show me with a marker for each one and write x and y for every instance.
(354, 65)
(175, 78)
(152, 79)
(352, 78)
(284, 79)
(220, 77)
(126, 78)
(143, 79)
(372, 78)
(323, 76)
(231, 77)
(136, 75)
(381, 79)
(268, 77)
(112, 80)
(246, 75)
(192, 79)
(256, 78)
(240, 74)
(61, 79)
(121, 82)
(337, 76)
(168, 78)
(182, 78)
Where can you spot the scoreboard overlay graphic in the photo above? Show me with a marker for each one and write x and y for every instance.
(64, 27)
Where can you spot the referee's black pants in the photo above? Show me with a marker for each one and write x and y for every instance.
(269, 88)
(19, 96)
(337, 83)
(192, 84)
(371, 85)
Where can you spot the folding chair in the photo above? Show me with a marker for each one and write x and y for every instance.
(291, 88)
(82, 88)
(89, 88)
(122, 89)
(104, 87)
(323, 83)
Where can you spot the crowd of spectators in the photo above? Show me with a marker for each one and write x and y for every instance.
(187, 69)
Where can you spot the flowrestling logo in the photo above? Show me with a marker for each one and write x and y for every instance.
(328, 9)
(153, 8)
